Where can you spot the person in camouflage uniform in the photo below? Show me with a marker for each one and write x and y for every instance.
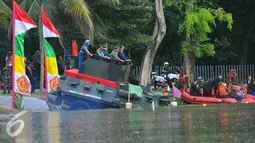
(232, 80)
(232, 76)
(8, 73)
(18, 99)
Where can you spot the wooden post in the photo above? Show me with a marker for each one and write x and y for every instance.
(128, 104)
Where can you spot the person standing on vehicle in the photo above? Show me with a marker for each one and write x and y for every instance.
(114, 55)
(102, 54)
(105, 47)
(100, 48)
(84, 53)
(122, 55)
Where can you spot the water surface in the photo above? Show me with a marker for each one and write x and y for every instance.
(192, 124)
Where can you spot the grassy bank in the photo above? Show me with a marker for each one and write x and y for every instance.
(179, 101)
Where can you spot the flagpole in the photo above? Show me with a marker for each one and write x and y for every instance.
(45, 64)
(13, 54)
(46, 76)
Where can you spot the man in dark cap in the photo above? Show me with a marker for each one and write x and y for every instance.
(194, 88)
(8, 72)
(251, 87)
(61, 65)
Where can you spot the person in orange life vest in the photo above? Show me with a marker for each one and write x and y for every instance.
(232, 76)
(200, 82)
(232, 80)
(222, 90)
(183, 81)
(29, 73)
(217, 82)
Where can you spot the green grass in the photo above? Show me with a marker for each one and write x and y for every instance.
(35, 95)
(161, 90)
(179, 101)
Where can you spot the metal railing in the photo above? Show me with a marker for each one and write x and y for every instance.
(210, 72)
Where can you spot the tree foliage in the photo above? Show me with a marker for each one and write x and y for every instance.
(127, 24)
(198, 24)
(192, 25)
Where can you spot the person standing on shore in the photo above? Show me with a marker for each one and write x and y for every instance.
(8, 73)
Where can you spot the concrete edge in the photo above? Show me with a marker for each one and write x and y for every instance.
(6, 109)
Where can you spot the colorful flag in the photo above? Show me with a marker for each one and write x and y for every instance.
(21, 23)
(176, 92)
(75, 48)
(52, 78)
(167, 87)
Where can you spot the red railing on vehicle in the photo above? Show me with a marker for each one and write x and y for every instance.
(73, 73)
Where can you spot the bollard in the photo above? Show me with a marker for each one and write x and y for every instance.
(174, 103)
(128, 104)
(153, 106)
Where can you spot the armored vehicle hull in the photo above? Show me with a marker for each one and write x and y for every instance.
(106, 87)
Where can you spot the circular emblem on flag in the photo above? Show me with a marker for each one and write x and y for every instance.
(23, 84)
(54, 83)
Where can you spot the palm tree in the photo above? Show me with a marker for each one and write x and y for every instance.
(77, 11)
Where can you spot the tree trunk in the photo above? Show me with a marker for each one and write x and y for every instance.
(147, 66)
(188, 66)
(246, 46)
(158, 35)
(41, 55)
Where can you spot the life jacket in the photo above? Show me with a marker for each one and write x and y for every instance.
(230, 88)
(201, 90)
(232, 74)
(183, 79)
(213, 92)
(245, 89)
(222, 90)
(1, 84)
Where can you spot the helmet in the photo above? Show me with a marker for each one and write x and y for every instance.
(199, 78)
(166, 63)
(86, 42)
